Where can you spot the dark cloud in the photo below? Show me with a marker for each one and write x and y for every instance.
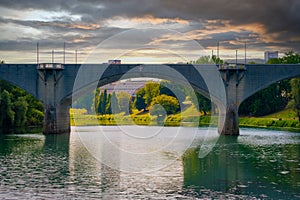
(279, 18)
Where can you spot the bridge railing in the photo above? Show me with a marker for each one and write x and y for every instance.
(50, 66)
(232, 66)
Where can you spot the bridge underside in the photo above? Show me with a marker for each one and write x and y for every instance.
(228, 88)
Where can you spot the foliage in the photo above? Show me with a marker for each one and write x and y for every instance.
(271, 99)
(114, 104)
(84, 101)
(275, 97)
(7, 116)
(169, 103)
(124, 101)
(204, 104)
(295, 85)
(18, 108)
(157, 110)
(208, 60)
(173, 89)
(139, 102)
(151, 91)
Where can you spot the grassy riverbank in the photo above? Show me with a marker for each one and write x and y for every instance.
(283, 120)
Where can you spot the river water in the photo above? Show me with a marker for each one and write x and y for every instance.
(259, 164)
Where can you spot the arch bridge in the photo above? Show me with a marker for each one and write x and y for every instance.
(228, 86)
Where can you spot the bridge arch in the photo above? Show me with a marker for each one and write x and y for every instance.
(259, 77)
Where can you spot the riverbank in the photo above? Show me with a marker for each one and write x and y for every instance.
(283, 120)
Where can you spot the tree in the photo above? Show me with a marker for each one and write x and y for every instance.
(159, 111)
(114, 104)
(293, 58)
(269, 100)
(20, 109)
(85, 101)
(295, 84)
(96, 100)
(108, 105)
(151, 91)
(217, 60)
(208, 60)
(7, 116)
(169, 103)
(139, 101)
(173, 89)
(204, 104)
(276, 96)
(125, 103)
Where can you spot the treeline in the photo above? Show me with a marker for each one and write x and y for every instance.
(18, 108)
(104, 103)
(157, 97)
(277, 96)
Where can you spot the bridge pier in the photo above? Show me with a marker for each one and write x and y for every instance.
(232, 76)
(50, 91)
(57, 119)
(231, 123)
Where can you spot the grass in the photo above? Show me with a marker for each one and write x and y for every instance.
(284, 119)
(189, 117)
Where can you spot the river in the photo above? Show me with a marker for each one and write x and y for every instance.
(259, 164)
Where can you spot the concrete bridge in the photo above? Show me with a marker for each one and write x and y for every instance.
(228, 86)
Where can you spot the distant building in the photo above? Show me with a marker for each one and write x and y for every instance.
(114, 62)
(270, 54)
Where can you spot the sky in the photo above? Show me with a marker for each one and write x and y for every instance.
(146, 31)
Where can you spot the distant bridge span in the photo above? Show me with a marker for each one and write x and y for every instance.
(55, 84)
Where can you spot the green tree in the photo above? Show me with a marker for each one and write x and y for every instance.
(20, 109)
(276, 96)
(274, 61)
(114, 104)
(208, 60)
(159, 111)
(96, 100)
(171, 88)
(139, 101)
(217, 60)
(85, 101)
(7, 116)
(295, 84)
(108, 105)
(291, 58)
(125, 103)
(294, 58)
(269, 100)
(169, 103)
(151, 91)
(103, 102)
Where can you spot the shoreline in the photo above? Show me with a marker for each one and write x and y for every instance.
(174, 120)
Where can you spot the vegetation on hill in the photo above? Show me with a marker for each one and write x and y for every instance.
(18, 108)
(277, 96)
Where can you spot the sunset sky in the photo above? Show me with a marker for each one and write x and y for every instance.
(110, 29)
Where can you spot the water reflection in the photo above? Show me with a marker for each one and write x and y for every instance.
(247, 166)
(257, 164)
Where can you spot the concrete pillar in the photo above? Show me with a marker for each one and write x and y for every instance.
(229, 115)
(231, 124)
(57, 119)
(50, 91)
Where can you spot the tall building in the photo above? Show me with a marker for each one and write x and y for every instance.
(270, 54)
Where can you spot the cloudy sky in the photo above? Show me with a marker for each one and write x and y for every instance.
(145, 30)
